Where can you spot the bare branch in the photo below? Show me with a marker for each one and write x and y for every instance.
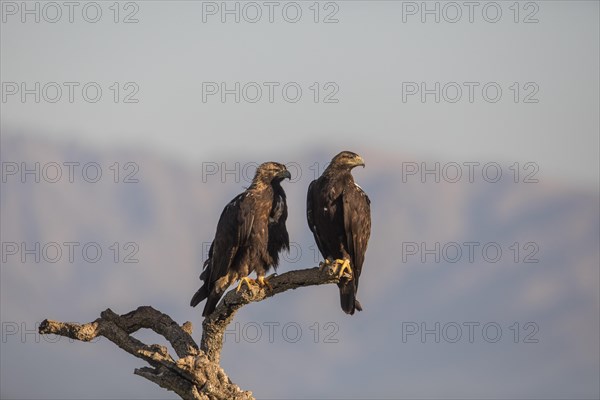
(170, 381)
(193, 376)
(197, 373)
(214, 326)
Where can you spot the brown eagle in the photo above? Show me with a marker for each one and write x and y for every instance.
(250, 234)
(339, 216)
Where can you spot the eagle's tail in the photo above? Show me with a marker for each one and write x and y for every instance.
(212, 299)
(348, 299)
(211, 302)
(200, 295)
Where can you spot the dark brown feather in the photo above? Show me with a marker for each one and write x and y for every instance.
(339, 215)
(250, 234)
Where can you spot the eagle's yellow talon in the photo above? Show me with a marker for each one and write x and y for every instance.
(248, 281)
(262, 281)
(344, 266)
(326, 264)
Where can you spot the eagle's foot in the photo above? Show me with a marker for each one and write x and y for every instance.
(248, 281)
(326, 264)
(342, 268)
(264, 282)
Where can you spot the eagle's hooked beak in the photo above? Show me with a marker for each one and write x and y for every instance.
(285, 174)
(359, 161)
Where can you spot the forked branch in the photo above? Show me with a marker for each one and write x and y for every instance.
(196, 374)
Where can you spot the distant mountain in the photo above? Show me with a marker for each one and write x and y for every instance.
(120, 228)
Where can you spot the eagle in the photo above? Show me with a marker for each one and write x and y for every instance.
(339, 215)
(250, 234)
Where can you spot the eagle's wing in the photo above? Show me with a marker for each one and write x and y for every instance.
(205, 270)
(233, 231)
(279, 238)
(310, 212)
(357, 225)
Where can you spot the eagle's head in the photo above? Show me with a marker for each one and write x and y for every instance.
(271, 171)
(347, 160)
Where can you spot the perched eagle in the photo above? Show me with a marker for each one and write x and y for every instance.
(339, 216)
(250, 234)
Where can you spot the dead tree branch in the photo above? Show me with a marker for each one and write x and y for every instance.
(196, 374)
(214, 326)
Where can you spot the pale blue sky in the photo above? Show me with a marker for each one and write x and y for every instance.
(368, 54)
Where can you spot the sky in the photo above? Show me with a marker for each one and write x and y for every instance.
(475, 85)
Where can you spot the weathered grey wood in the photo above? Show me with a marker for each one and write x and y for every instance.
(196, 374)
